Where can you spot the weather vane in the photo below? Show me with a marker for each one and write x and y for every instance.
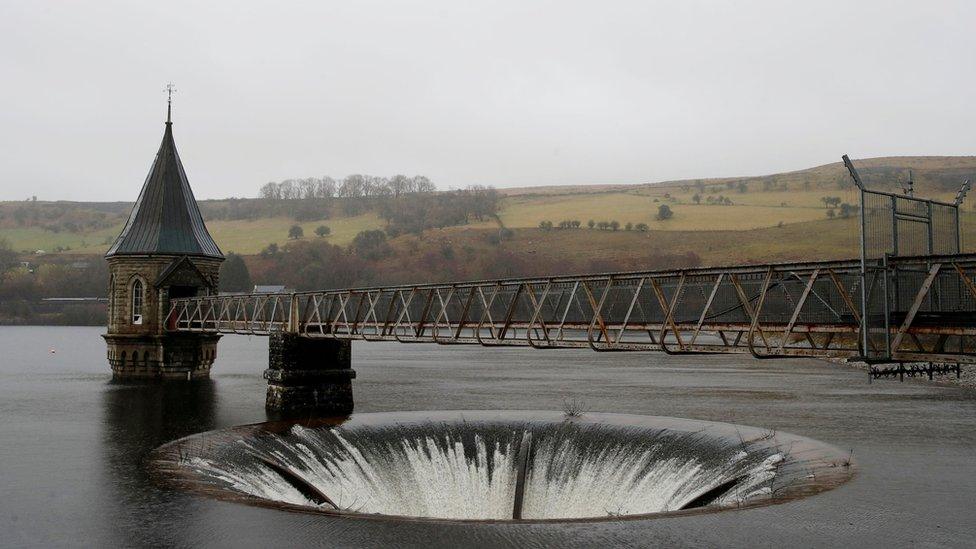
(169, 89)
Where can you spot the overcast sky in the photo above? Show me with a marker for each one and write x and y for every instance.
(501, 93)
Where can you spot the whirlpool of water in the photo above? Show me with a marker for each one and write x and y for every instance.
(502, 465)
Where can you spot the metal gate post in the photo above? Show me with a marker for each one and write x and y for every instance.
(864, 263)
(884, 287)
(293, 315)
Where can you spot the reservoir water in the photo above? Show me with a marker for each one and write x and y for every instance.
(74, 445)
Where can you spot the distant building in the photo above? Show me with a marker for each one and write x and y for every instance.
(269, 289)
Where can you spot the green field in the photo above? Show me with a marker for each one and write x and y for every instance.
(748, 212)
(250, 237)
(31, 239)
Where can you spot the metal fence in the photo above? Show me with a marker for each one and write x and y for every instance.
(893, 226)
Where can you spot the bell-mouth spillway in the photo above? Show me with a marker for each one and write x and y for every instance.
(501, 465)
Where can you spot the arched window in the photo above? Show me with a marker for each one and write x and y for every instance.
(137, 298)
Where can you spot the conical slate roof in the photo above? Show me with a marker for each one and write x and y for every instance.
(165, 218)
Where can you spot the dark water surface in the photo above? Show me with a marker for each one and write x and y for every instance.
(73, 444)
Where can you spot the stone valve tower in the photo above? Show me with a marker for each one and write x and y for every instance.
(163, 252)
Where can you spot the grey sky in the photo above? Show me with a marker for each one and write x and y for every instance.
(501, 93)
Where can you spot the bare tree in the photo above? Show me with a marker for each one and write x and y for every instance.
(400, 185)
(270, 191)
(326, 187)
(423, 185)
(306, 187)
(288, 189)
(352, 186)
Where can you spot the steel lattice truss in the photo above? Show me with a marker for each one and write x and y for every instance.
(917, 309)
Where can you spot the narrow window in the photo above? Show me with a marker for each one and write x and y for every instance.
(111, 298)
(137, 296)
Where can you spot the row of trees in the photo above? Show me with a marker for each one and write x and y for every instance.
(54, 217)
(664, 212)
(61, 277)
(414, 213)
(22, 288)
(407, 204)
(601, 225)
(351, 186)
(713, 200)
(741, 186)
(564, 224)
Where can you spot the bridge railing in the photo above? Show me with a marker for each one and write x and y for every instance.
(777, 310)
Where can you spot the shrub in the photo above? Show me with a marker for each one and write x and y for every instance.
(664, 212)
(574, 408)
(371, 245)
(234, 276)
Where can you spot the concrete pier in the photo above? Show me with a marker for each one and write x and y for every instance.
(309, 375)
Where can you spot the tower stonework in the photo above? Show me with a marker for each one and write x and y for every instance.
(163, 252)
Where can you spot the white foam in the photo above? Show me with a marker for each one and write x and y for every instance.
(433, 476)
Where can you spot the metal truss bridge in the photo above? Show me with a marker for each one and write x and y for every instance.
(885, 307)
(780, 310)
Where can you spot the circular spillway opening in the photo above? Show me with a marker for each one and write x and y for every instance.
(502, 465)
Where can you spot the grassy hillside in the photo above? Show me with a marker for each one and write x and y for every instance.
(239, 236)
(775, 217)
